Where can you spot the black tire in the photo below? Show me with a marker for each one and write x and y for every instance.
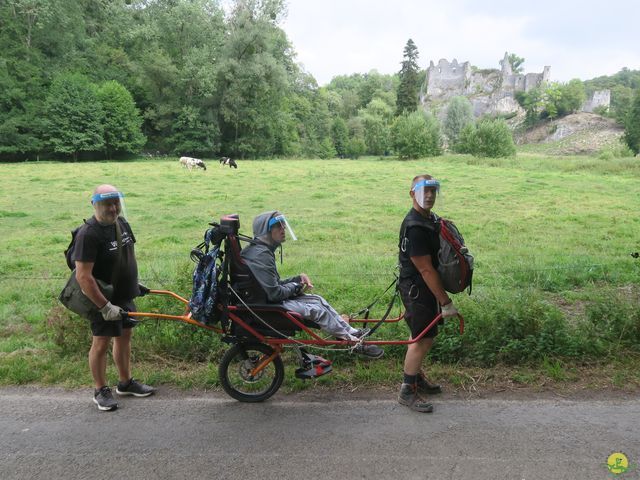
(235, 367)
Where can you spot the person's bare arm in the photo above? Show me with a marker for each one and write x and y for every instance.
(431, 277)
(88, 283)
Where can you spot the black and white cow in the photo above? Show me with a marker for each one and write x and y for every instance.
(228, 161)
(192, 163)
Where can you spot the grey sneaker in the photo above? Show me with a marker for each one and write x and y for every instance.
(424, 386)
(104, 399)
(409, 396)
(361, 332)
(371, 351)
(135, 388)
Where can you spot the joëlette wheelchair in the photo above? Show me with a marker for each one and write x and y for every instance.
(252, 370)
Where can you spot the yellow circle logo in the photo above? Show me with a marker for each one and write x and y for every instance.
(617, 463)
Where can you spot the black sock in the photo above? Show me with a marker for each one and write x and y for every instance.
(410, 379)
(124, 384)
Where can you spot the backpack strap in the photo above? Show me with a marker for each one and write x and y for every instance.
(93, 223)
(116, 269)
(433, 226)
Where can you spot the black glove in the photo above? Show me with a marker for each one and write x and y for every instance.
(143, 290)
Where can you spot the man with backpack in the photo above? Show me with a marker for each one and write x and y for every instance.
(421, 288)
(103, 253)
(269, 230)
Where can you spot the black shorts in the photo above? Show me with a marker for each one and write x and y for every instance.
(101, 328)
(421, 307)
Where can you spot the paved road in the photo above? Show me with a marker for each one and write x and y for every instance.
(51, 434)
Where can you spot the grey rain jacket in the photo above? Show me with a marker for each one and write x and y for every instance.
(261, 260)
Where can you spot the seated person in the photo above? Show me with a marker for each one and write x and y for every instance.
(269, 230)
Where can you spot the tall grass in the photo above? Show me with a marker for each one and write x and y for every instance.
(551, 236)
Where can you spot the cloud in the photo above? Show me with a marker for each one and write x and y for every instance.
(577, 39)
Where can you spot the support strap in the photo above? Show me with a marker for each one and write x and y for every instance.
(386, 314)
(366, 310)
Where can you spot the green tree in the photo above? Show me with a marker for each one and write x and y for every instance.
(552, 97)
(632, 126)
(467, 140)
(378, 107)
(573, 97)
(377, 118)
(621, 101)
(415, 135)
(34, 36)
(191, 135)
(533, 104)
(340, 135)
(488, 138)
(459, 115)
(174, 50)
(377, 134)
(409, 87)
(562, 99)
(75, 119)
(253, 78)
(308, 118)
(357, 90)
(122, 120)
(356, 145)
(516, 63)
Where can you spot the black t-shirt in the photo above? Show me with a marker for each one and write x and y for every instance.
(98, 244)
(420, 240)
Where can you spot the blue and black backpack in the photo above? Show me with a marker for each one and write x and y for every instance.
(209, 295)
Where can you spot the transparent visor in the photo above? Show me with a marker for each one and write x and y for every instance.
(425, 193)
(104, 201)
(281, 219)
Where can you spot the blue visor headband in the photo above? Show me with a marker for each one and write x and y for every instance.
(101, 197)
(432, 183)
(274, 220)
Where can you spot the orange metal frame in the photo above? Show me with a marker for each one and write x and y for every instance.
(292, 317)
(278, 343)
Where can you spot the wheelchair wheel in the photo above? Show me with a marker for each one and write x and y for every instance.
(235, 372)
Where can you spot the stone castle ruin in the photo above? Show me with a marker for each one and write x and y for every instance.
(490, 91)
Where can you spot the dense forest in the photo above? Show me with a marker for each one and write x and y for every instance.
(106, 79)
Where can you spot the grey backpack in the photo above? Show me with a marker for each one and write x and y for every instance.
(456, 263)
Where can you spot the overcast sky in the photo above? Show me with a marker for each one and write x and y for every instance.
(578, 39)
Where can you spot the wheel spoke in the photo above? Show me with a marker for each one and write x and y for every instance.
(236, 372)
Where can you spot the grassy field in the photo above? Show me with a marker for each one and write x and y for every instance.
(555, 287)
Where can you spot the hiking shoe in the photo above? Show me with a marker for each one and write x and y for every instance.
(425, 387)
(104, 399)
(135, 388)
(361, 332)
(371, 351)
(409, 396)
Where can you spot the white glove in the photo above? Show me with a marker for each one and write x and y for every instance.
(111, 312)
(449, 310)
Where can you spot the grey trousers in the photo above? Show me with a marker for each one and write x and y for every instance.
(318, 310)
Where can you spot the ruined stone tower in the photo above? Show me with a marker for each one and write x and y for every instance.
(490, 91)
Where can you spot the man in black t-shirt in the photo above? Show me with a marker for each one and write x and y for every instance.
(421, 289)
(104, 250)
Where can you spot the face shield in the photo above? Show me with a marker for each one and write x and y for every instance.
(280, 220)
(109, 206)
(425, 193)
